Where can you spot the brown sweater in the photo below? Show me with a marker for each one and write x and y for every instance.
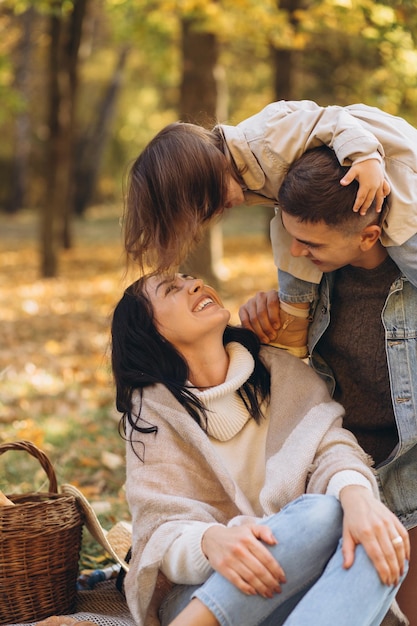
(354, 348)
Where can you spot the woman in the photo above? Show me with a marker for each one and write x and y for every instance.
(240, 480)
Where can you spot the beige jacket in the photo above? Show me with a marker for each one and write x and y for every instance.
(182, 477)
(264, 145)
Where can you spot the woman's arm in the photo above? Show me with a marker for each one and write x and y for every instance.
(201, 548)
(368, 522)
(238, 554)
(184, 561)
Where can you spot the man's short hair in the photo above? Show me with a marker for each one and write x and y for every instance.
(312, 192)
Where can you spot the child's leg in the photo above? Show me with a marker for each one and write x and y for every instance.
(405, 256)
(293, 333)
(295, 298)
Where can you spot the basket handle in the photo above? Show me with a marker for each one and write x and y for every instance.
(34, 451)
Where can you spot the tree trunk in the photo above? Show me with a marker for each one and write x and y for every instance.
(54, 161)
(198, 99)
(90, 146)
(284, 60)
(71, 60)
(198, 105)
(20, 165)
(63, 54)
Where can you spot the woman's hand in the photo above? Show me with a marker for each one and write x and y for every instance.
(372, 184)
(261, 314)
(369, 522)
(239, 555)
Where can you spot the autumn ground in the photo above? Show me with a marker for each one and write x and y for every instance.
(56, 387)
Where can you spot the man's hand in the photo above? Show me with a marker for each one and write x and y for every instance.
(261, 314)
(372, 185)
(239, 554)
(369, 522)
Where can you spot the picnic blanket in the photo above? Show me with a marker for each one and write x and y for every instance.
(104, 605)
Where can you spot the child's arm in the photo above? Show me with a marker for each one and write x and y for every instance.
(290, 128)
(372, 184)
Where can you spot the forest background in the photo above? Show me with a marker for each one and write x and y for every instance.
(84, 85)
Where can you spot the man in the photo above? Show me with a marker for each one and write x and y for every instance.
(363, 335)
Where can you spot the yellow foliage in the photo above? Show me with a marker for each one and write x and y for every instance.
(30, 430)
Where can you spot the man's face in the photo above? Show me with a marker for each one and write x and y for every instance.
(326, 247)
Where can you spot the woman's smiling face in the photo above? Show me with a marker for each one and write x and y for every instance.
(185, 309)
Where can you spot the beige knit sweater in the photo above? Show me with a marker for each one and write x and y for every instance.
(182, 477)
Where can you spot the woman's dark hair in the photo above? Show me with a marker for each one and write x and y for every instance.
(142, 357)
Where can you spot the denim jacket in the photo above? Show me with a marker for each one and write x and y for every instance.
(397, 475)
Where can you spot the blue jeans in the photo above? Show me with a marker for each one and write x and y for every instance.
(318, 590)
(293, 290)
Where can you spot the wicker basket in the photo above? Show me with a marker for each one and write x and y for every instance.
(40, 541)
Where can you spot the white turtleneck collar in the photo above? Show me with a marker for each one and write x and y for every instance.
(227, 413)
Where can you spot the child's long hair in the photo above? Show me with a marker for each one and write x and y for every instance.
(142, 357)
(175, 187)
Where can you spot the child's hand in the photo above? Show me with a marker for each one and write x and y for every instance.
(372, 185)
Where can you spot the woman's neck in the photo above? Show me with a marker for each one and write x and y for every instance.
(207, 365)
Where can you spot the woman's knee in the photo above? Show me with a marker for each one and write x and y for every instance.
(313, 510)
(311, 524)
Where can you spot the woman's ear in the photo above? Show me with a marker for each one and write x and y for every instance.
(369, 236)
